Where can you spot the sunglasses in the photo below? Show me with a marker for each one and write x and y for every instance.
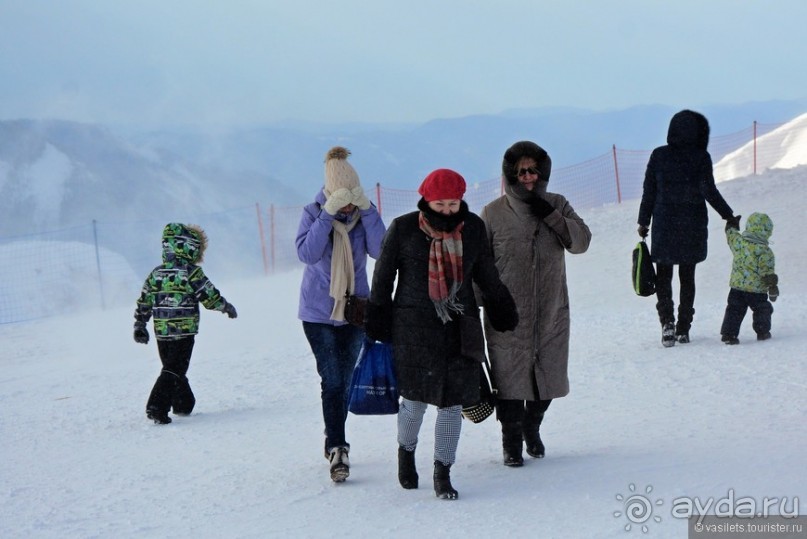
(532, 170)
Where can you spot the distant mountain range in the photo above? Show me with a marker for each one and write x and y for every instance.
(399, 156)
(90, 201)
(57, 173)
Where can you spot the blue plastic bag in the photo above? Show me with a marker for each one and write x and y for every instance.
(374, 390)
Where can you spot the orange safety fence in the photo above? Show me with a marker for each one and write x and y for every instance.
(105, 262)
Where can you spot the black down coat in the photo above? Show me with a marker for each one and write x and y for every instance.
(677, 184)
(428, 362)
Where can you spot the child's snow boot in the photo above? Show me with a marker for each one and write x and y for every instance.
(160, 418)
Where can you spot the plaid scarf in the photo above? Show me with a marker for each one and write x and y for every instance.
(445, 268)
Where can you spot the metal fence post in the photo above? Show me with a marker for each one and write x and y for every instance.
(98, 263)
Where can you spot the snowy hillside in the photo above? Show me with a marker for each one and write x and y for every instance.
(784, 147)
(57, 174)
(698, 421)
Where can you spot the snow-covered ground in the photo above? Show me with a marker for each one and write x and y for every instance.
(697, 421)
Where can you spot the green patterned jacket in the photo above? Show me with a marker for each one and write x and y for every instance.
(173, 291)
(753, 258)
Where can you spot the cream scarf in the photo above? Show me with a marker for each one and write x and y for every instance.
(343, 276)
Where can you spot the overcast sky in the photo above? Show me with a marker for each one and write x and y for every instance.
(152, 62)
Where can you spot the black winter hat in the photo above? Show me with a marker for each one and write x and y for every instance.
(525, 148)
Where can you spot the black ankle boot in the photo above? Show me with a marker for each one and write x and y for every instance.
(532, 436)
(442, 482)
(407, 473)
(512, 444)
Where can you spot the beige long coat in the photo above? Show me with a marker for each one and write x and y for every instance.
(530, 255)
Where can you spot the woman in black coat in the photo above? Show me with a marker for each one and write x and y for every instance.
(678, 183)
(437, 254)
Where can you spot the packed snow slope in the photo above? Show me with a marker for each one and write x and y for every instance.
(697, 421)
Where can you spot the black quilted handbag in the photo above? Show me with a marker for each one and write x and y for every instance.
(482, 410)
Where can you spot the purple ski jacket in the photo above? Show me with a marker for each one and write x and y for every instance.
(314, 247)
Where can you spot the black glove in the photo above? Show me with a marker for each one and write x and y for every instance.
(643, 231)
(501, 311)
(772, 282)
(541, 208)
(229, 310)
(141, 335)
(378, 322)
(733, 222)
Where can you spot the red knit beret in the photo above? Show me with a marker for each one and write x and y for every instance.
(442, 184)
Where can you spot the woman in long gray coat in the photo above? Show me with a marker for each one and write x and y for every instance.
(529, 231)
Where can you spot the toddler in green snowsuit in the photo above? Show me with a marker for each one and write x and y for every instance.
(753, 278)
(171, 295)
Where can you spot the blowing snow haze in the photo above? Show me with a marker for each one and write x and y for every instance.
(84, 184)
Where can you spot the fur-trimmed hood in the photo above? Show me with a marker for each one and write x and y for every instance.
(525, 148)
(184, 243)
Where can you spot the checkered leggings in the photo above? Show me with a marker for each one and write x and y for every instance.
(446, 429)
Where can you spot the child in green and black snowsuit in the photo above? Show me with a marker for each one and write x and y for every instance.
(172, 293)
(753, 279)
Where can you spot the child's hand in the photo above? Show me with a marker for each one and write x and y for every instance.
(229, 310)
(772, 282)
(141, 335)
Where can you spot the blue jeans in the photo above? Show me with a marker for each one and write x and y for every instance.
(336, 349)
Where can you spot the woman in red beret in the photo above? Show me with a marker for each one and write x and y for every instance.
(436, 253)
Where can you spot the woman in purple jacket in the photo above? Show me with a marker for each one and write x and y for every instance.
(336, 234)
